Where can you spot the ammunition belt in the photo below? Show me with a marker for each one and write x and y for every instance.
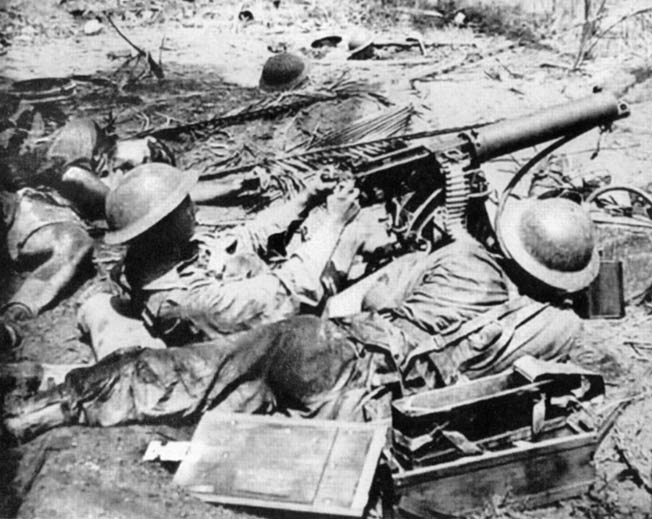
(458, 191)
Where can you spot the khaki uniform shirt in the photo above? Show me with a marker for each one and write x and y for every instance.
(225, 287)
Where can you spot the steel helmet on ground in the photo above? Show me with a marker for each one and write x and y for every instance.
(283, 71)
(359, 44)
(143, 197)
(80, 138)
(552, 240)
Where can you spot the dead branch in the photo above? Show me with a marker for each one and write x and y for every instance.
(468, 59)
(154, 67)
(590, 24)
(140, 51)
(616, 23)
(422, 12)
(625, 456)
(419, 43)
(271, 107)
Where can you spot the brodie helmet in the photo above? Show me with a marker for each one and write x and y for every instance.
(360, 44)
(143, 197)
(283, 71)
(80, 139)
(552, 240)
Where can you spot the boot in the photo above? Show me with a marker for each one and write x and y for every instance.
(9, 337)
(27, 418)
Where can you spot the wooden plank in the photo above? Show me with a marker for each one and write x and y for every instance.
(449, 397)
(494, 459)
(536, 474)
(475, 418)
(312, 466)
(423, 451)
(525, 501)
(477, 408)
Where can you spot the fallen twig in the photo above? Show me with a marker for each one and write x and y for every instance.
(584, 50)
(154, 68)
(419, 43)
(547, 64)
(639, 479)
(616, 23)
(413, 62)
(423, 12)
(269, 108)
(468, 59)
(645, 345)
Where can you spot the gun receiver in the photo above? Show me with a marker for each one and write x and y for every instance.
(443, 174)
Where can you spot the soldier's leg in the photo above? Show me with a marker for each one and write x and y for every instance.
(287, 364)
(136, 385)
(61, 249)
(317, 371)
(146, 385)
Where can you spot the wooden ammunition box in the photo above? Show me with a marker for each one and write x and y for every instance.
(510, 435)
(479, 409)
(529, 473)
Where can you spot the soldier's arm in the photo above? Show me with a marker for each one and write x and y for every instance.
(282, 218)
(302, 272)
(86, 190)
(219, 308)
(206, 192)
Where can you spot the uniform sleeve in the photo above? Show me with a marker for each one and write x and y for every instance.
(217, 308)
(274, 220)
(302, 272)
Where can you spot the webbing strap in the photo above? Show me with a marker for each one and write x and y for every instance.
(439, 344)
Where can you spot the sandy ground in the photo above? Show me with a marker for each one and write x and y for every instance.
(212, 65)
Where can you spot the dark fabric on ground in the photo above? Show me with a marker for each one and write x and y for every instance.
(303, 365)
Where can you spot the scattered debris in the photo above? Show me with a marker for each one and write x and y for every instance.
(468, 59)
(419, 12)
(152, 66)
(93, 27)
(270, 107)
(640, 478)
(166, 451)
(44, 90)
(246, 16)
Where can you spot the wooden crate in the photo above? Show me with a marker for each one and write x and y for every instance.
(532, 474)
(477, 409)
(308, 466)
(422, 451)
(487, 407)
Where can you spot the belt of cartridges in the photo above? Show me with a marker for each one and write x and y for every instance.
(458, 191)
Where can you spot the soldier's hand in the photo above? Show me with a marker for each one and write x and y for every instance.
(343, 204)
(323, 184)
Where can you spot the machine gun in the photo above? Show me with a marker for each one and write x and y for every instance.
(432, 177)
(440, 177)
